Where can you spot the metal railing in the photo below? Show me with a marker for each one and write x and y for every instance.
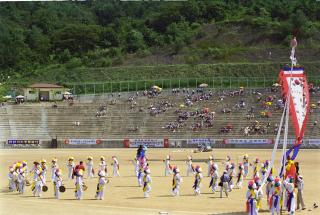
(213, 83)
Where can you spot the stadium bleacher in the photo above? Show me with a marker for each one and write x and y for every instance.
(42, 121)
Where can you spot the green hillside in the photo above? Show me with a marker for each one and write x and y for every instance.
(115, 40)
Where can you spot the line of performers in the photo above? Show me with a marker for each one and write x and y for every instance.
(278, 192)
(19, 176)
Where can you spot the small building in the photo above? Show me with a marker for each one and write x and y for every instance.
(44, 92)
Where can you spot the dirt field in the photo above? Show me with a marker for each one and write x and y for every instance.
(123, 196)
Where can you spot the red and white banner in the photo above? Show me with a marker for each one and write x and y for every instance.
(82, 141)
(151, 143)
(294, 81)
(248, 141)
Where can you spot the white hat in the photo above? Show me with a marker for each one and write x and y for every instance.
(215, 166)
(210, 157)
(300, 176)
(177, 170)
(189, 157)
(101, 173)
(168, 157)
(11, 169)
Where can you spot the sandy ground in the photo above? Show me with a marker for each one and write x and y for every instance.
(123, 196)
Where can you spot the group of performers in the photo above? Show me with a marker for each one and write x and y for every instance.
(18, 176)
(279, 192)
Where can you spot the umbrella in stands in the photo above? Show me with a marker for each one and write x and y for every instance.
(20, 97)
(67, 93)
(203, 85)
(276, 85)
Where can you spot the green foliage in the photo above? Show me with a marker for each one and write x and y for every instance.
(73, 63)
(135, 41)
(103, 62)
(192, 60)
(36, 36)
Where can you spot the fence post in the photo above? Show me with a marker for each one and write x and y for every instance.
(111, 86)
(179, 83)
(103, 88)
(94, 88)
(136, 86)
(196, 82)
(128, 86)
(85, 89)
(145, 85)
(120, 86)
(230, 83)
(170, 84)
(212, 83)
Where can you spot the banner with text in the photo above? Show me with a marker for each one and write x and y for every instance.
(82, 141)
(314, 141)
(201, 141)
(248, 141)
(152, 143)
(23, 142)
(290, 142)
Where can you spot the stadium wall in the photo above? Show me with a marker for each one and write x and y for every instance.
(159, 143)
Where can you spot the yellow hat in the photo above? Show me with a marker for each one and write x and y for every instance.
(54, 159)
(102, 158)
(70, 158)
(90, 158)
(43, 161)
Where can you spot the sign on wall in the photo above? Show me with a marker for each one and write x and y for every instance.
(201, 141)
(247, 141)
(23, 142)
(82, 141)
(152, 143)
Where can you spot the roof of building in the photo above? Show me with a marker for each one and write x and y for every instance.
(44, 85)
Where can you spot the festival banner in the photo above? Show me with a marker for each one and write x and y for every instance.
(201, 141)
(290, 142)
(82, 141)
(151, 143)
(314, 141)
(248, 141)
(23, 142)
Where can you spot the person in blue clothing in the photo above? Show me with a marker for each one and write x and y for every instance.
(224, 183)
